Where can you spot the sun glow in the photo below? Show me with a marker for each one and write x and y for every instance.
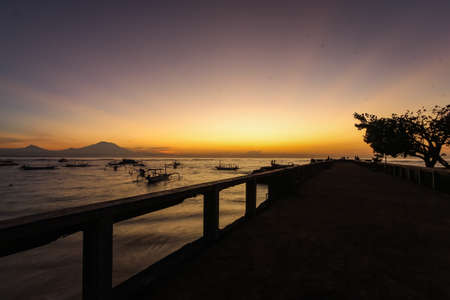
(276, 81)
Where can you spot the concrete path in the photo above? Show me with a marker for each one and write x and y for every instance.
(350, 233)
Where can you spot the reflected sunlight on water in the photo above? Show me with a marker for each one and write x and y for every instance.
(54, 270)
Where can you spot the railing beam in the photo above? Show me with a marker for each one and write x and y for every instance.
(250, 198)
(97, 260)
(211, 215)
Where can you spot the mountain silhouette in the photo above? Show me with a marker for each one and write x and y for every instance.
(99, 149)
(33, 148)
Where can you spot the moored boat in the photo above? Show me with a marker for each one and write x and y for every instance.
(229, 167)
(154, 175)
(154, 178)
(125, 162)
(29, 168)
(77, 165)
(8, 162)
(273, 166)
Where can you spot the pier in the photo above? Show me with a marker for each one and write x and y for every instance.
(348, 233)
(326, 231)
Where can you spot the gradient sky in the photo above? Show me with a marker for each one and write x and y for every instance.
(216, 76)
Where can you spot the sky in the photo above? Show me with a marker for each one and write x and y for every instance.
(202, 77)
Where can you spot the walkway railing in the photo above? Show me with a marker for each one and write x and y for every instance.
(96, 220)
(435, 178)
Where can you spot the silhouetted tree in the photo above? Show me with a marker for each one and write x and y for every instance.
(421, 134)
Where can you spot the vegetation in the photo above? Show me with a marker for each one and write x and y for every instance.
(420, 134)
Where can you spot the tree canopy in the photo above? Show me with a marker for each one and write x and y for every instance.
(421, 134)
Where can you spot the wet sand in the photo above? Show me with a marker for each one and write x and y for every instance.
(350, 233)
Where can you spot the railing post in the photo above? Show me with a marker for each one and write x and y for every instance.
(419, 179)
(97, 260)
(250, 198)
(275, 187)
(211, 215)
(271, 190)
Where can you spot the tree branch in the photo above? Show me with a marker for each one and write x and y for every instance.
(443, 162)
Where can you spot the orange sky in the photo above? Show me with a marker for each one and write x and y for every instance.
(278, 80)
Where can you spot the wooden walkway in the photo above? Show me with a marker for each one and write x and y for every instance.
(350, 233)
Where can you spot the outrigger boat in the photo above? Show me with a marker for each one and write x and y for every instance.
(125, 162)
(77, 165)
(273, 166)
(154, 175)
(231, 167)
(8, 162)
(316, 160)
(29, 168)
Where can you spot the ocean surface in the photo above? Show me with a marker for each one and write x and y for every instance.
(54, 271)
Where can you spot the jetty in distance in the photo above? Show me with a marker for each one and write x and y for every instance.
(328, 229)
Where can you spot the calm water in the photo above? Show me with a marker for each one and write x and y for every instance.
(54, 271)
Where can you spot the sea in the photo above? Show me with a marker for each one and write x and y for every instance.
(54, 271)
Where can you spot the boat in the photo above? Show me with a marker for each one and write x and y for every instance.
(77, 165)
(125, 162)
(8, 162)
(154, 175)
(229, 167)
(273, 166)
(29, 168)
(62, 160)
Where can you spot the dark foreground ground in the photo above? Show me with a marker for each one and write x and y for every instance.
(350, 234)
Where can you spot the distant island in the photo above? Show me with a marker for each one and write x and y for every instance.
(95, 150)
(108, 149)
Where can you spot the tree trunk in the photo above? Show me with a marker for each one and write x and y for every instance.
(429, 162)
